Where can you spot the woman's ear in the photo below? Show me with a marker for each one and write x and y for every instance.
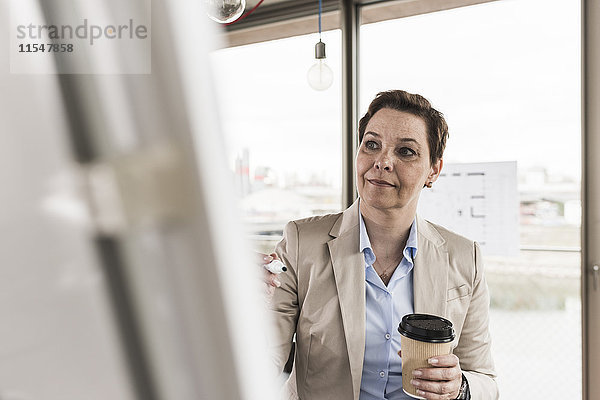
(436, 169)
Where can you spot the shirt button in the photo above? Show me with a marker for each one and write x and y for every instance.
(382, 374)
(388, 336)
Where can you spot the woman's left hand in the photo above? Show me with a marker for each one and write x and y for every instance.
(442, 382)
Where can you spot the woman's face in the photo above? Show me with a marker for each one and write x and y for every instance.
(392, 164)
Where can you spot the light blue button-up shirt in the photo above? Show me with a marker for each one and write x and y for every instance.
(385, 307)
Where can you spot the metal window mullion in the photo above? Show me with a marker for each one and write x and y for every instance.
(350, 19)
(590, 196)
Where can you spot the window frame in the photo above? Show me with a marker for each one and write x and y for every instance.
(297, 17)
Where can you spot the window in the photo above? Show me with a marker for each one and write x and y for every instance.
(507, 76)
(284, 138)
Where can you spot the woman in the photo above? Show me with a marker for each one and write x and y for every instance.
(352, 276)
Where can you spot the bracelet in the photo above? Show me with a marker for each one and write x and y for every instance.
(464, 393)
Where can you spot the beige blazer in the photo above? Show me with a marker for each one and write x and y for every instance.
(322, 302)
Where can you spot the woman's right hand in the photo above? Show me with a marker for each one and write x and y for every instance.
(270, 279)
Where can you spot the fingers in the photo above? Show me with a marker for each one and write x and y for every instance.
(436, 390)
(448, 360)
(271, 279)
(438, 373)
(269, 291)
(264, 258)
(440, 382)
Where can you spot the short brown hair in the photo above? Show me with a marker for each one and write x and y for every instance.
(437, 129)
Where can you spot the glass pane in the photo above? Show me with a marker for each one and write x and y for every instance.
(506, 75)
(284, 138)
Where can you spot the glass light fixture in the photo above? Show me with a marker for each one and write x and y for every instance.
(225, 11)
(320, 76)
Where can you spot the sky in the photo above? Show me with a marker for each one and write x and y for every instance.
(506, 75)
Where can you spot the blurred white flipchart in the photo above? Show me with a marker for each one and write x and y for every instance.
(123, 273)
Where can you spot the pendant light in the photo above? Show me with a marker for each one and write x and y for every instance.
(228, 11)
(320, 76)
(225, 11)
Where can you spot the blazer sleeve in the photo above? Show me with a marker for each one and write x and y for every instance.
(474, 347)
(284, 304)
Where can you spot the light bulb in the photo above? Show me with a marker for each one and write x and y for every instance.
(320, 76)
(225, 11)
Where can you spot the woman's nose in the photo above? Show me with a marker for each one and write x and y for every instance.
(384, 163)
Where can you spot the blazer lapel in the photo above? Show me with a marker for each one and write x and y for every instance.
(349, 272)
(430, 280)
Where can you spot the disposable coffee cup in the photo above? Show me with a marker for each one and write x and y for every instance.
(422, 336)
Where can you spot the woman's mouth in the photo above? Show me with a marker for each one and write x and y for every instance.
(381, 183)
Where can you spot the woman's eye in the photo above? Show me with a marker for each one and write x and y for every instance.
(371, 145)
(406, 151)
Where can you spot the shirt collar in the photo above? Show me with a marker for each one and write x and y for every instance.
(410, 250)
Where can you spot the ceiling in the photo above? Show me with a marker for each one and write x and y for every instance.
(273, 11)
(276, 19)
